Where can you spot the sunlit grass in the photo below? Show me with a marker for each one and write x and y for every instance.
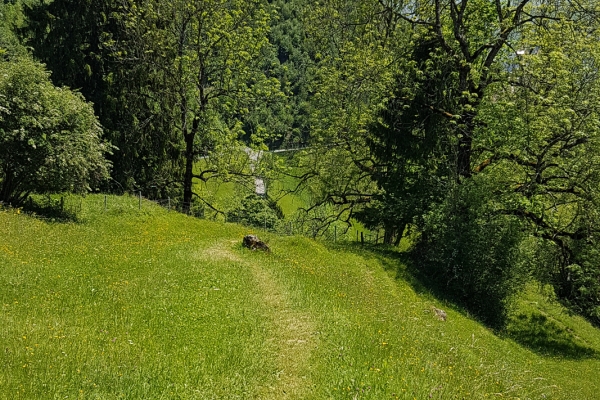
(125, 307)
(383, 341)
(144, 303)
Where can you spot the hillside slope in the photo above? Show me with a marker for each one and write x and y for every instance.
(143, 304)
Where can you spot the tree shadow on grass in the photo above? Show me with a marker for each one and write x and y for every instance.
(546, 337)
(391, 259)
(52, 210)
(535, 331)
(397, 263)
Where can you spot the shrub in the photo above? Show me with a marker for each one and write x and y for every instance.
(255, 211)
(469, 254)
(50, 139)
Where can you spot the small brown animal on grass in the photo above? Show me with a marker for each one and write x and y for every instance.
(439, 314)
(254, 243)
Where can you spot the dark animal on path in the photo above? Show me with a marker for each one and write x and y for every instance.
(254, 243)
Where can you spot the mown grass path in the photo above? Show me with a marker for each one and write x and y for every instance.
(293, 338)
(291, 331)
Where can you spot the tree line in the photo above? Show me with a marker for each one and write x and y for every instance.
(472, 125)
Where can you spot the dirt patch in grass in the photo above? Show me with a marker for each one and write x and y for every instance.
(220, 251)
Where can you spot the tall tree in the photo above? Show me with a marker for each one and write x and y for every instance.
(352, 52)
(470, 38)
(487, 116)
(208, 54)
(76, 42)
(541, 139)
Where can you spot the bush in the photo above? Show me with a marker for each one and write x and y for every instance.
(576, 279)
(583, 295)
(469, 254)
(255, 211)
(572, 270)
(50, 139)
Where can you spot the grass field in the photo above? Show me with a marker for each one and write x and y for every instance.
(147, 304)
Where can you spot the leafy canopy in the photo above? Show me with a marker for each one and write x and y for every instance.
(50, 140)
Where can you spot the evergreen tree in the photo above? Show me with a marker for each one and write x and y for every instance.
(77, 41)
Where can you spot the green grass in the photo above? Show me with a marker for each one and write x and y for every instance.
(146, 304)
(289, 202)
(223, 196)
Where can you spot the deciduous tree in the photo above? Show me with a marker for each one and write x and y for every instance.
(50, 139)
(208, 54)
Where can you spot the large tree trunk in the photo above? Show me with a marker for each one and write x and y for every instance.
(388, 235)
(190, 158)
(393, 234)
(188, 176)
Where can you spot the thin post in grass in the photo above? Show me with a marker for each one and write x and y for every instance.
(105, 203)
(335, 233)
(362, 238)
(169, 202)
(140, 201)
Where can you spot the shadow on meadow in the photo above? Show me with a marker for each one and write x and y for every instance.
(53, 210)
(546, 337)
(396, 262)
(532, 330)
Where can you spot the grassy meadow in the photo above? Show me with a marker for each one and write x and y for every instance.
(130, 303)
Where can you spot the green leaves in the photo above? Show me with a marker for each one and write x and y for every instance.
(54, 145)
(205, 60)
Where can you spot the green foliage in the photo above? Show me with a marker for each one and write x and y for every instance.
(256, 211)
(294, 69)
(11, 19)
(87, 45)
(50, 139)
(470, 254)
(542, 137)
(572, 271)
(348, 67)
(466, 107)
(581, 291)
(411, 141)
(209, 58)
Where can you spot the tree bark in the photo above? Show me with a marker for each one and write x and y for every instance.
(188, 176)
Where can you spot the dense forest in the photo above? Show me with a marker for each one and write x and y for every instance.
(471, 125)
